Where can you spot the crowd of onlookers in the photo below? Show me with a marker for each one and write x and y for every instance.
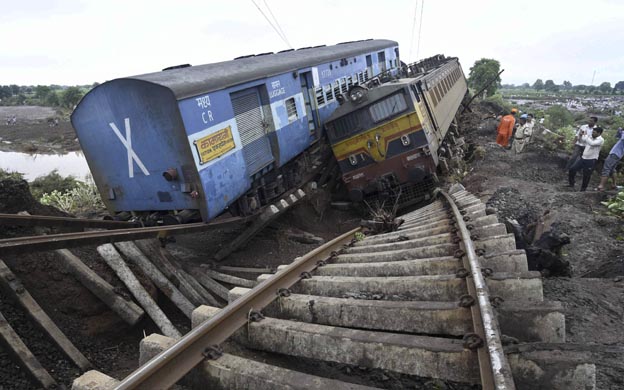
(588, 141)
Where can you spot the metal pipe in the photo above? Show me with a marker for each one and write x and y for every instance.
(495, 371)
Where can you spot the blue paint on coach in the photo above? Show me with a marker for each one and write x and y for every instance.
(128, 165)
(158, 116)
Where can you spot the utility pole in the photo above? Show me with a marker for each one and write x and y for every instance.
(593, 77)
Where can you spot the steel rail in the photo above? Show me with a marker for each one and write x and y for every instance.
(71, 240)
(45, 220)
(168, 367)
(493, 365)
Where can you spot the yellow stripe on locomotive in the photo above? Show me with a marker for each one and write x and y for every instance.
(375, 142)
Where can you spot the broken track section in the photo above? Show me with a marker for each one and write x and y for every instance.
(429, 300)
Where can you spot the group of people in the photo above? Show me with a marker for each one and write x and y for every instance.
(520, 133)
(588, 141)
(587, 144)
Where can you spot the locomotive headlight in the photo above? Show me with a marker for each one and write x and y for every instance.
(353, 159)
(405, 140)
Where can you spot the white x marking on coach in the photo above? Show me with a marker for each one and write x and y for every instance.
(127, 142)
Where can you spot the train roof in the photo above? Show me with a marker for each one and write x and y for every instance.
(377, 92)
(194, 80)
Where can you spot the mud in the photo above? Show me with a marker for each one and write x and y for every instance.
(524, 187)
(32, 133)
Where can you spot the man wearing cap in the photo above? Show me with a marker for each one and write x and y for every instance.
(579, 144)
(521, 138)
(505, 128)
(615, 155)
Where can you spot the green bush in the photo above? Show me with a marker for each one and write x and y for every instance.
(615, 205)
(498, 99)
(83, 198)
(557, 117)
(10, 175)
(560, 139)
(52, 182)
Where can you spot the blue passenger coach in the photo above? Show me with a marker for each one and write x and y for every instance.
(199, 139)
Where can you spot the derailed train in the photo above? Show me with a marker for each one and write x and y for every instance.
(390, 138)
(188, 142)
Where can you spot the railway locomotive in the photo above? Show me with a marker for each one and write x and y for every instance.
(188, 142)
(389, 137)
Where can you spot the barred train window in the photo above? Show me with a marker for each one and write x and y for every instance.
(329, 93)
(336, 88)
(388, 107)
(291, 109)
(320, 98)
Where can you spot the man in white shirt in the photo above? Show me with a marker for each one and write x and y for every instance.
(579, 145)
(592, 143)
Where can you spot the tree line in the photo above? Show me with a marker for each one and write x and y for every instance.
(550, 86)
(42, 95)
(485, 74)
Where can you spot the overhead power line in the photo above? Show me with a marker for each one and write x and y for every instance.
(272, 25)
(277, 23)
(422, 6)
(413, 29)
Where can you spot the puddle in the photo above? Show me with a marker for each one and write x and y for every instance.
(35, 165)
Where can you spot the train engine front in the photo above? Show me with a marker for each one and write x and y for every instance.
(386, 137)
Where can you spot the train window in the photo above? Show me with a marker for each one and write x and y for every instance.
(381, 59)
(320, 98)
(329, 93)
(436, 90)
(291, 109)
(388, 107)
(347, 125)
(433, 97)
(336, 88)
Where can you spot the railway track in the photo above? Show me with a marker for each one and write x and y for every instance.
(155, 265)
(438, 298)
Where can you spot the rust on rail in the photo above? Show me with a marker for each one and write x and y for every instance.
(49, 221)
(72, 240)
(494, 368)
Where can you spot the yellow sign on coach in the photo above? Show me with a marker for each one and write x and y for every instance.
(214, 145)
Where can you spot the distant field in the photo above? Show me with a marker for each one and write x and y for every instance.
(29, 113)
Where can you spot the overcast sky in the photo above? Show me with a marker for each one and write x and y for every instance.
(71, 42)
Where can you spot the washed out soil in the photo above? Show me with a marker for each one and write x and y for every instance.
(32, 133)
(524, 187)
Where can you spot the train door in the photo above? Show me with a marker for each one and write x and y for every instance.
(381, 59)
(306, 86)
(369, 66)
(252, 129)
